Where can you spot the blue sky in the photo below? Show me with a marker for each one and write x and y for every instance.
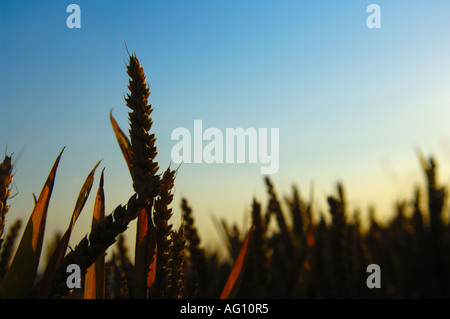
(351, 103)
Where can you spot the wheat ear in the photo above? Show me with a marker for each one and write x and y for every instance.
(143, 149)
(100, 238)
(5, 190)
(161, 217)
(197, 257)
(177, 264)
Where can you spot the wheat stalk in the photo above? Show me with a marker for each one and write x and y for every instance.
(259, 268)
(126, 265)
(274, 207)
(7, 249)
(298, 213)
(436, 199)
(120, 288)
(176, 277)
(197, 257)
(338, 242)
(6, 178)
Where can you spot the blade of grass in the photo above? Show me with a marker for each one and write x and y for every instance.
(234, 279)
(60, 251)
(94, 284)
(123, 141)
(144, 251)
(21, 275)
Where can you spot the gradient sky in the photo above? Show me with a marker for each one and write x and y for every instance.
(351, 103)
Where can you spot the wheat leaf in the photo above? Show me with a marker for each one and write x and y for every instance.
(144, 251)
(123, 141)
(21, 275)
(140, 253)
(94, 284)
(235, 277)
(61, 248)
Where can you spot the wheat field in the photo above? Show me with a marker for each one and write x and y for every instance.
(289, 251)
